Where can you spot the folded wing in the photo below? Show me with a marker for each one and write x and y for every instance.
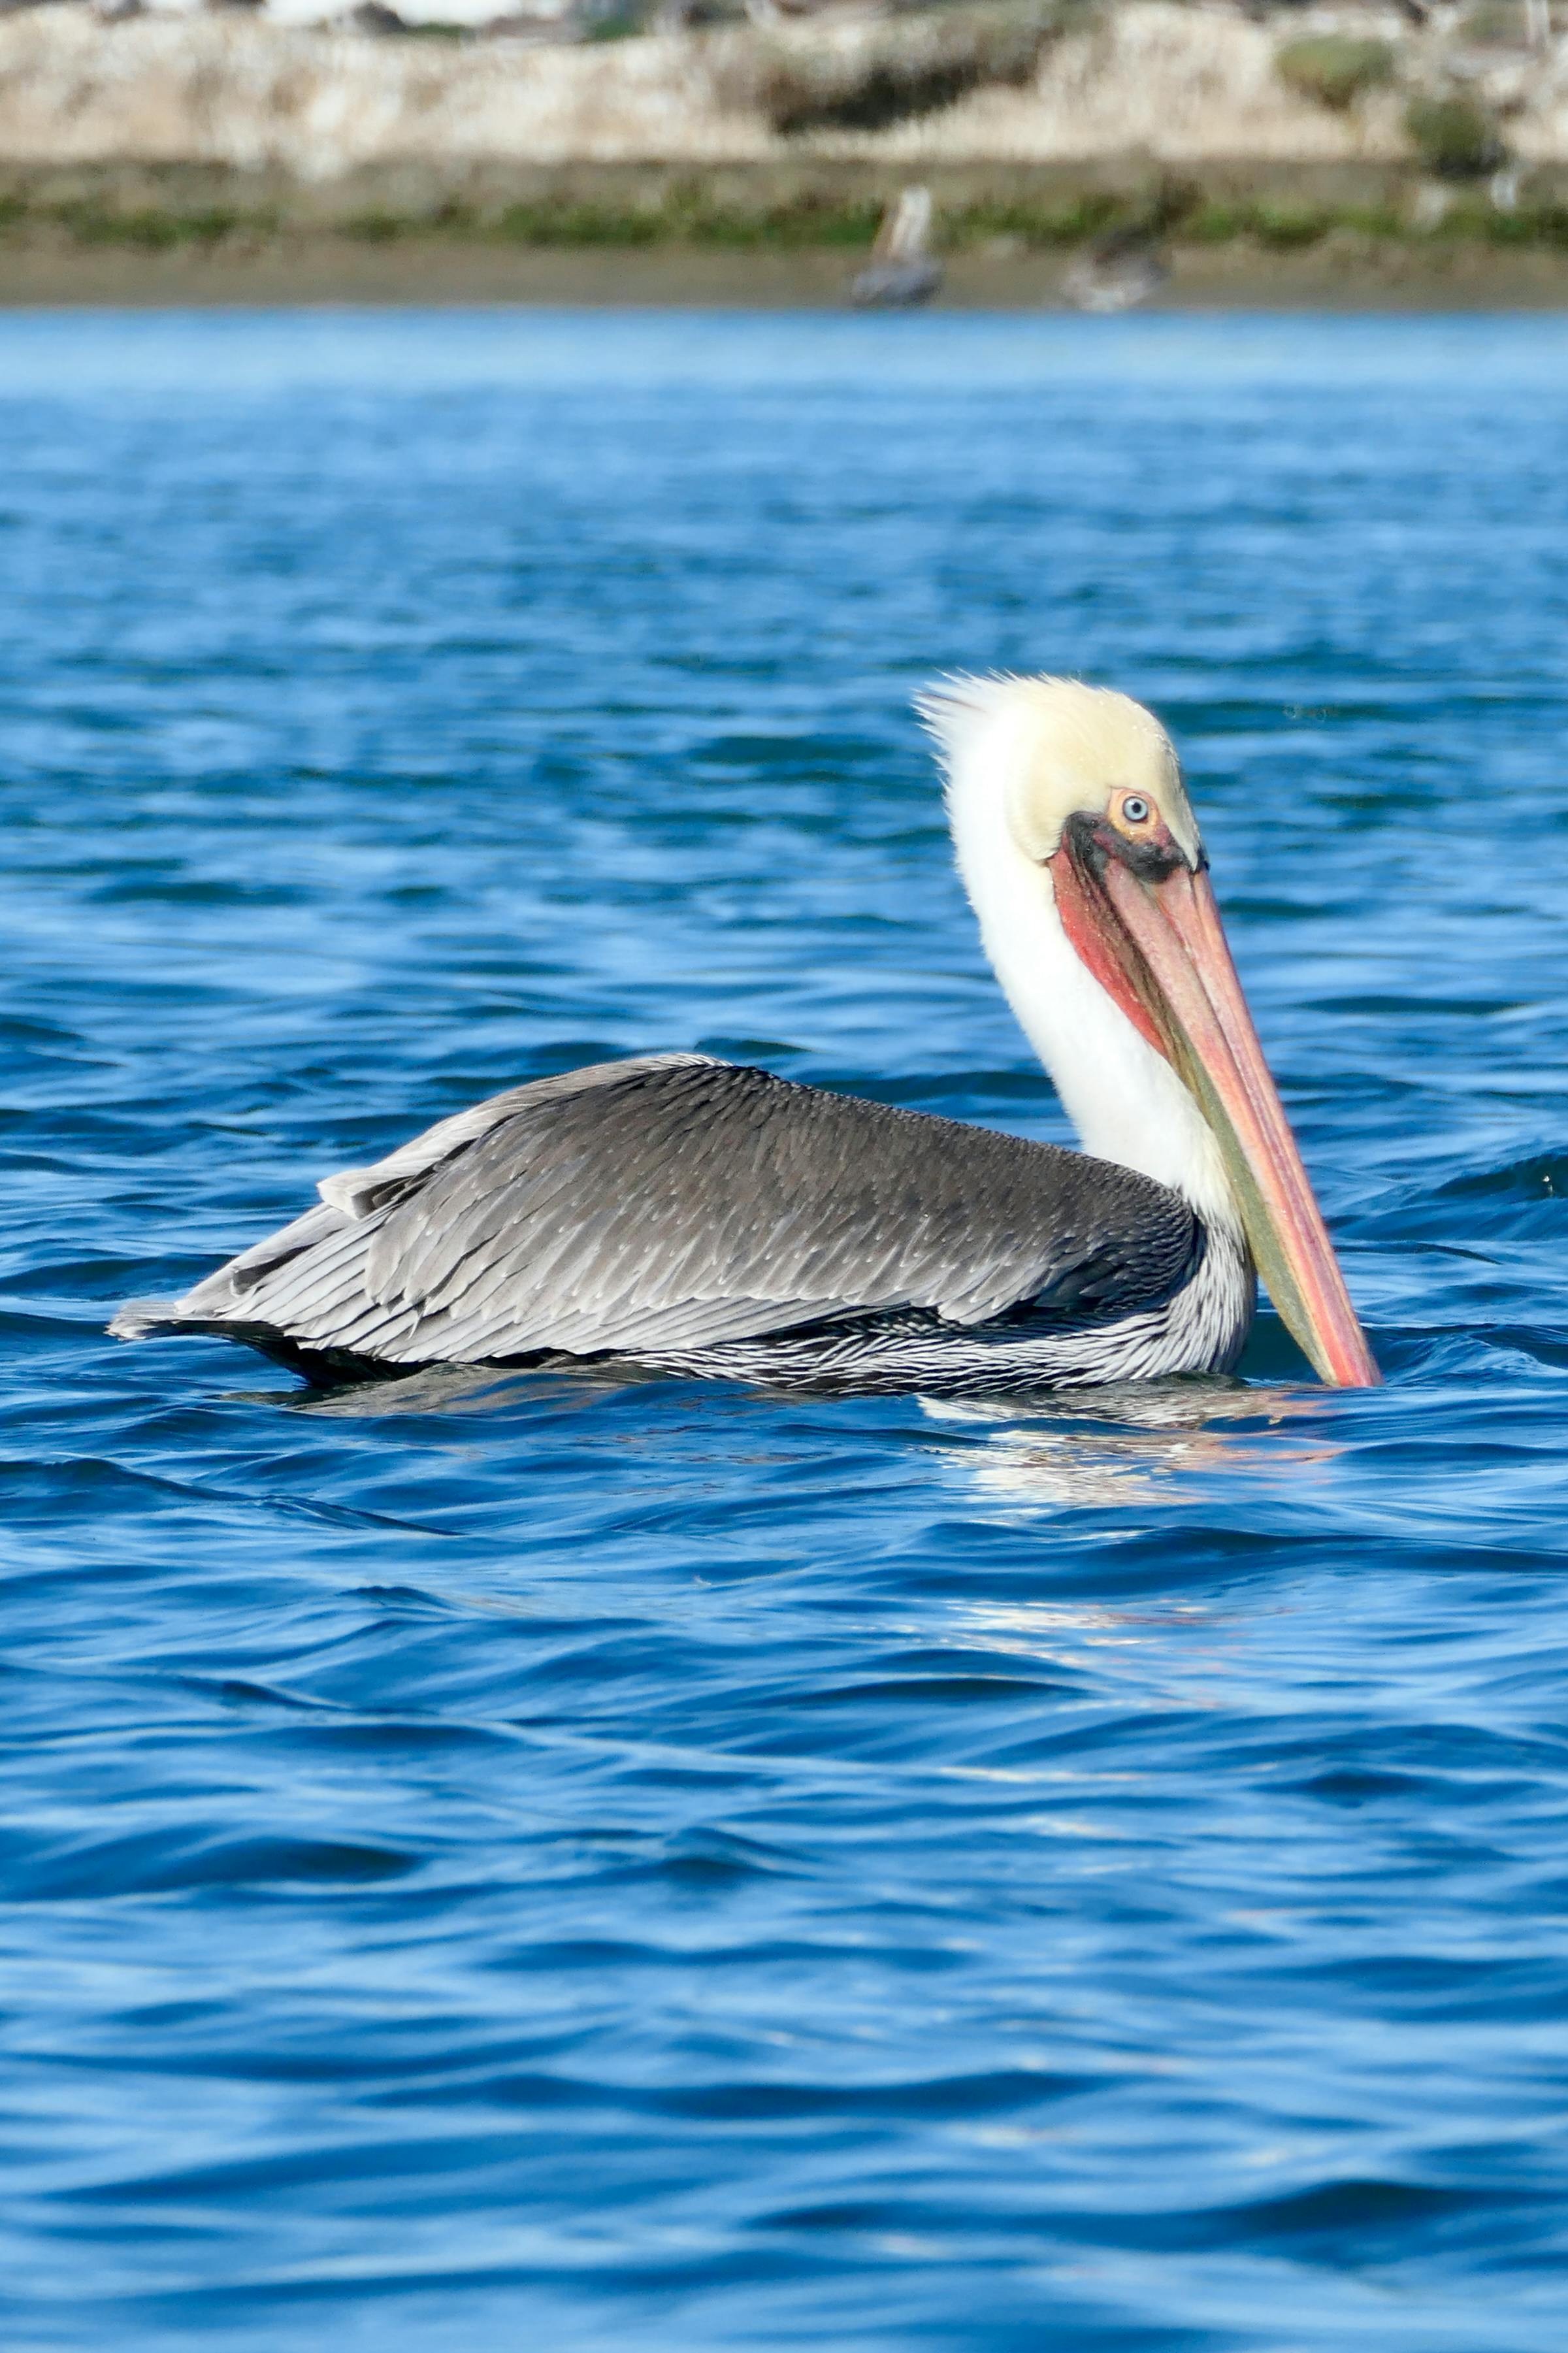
(675, 1202)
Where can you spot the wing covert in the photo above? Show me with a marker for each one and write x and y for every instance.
(676, 1202)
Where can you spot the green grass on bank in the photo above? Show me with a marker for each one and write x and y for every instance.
(689, 217)
(145, 228)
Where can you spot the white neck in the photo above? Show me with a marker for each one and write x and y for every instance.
(1124, 1099)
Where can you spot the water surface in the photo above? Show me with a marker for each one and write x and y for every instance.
(518, 1863)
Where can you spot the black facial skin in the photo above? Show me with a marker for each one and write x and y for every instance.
(1094, 841)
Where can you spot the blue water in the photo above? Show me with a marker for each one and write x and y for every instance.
(510, 1864)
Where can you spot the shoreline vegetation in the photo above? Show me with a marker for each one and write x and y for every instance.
(204, 209)
(202, 233)
(1309, 155)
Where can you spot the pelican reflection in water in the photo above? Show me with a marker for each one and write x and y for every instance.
(1141, 1443)
(699, 1217)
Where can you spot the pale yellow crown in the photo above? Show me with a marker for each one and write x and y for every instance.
(1055, 747)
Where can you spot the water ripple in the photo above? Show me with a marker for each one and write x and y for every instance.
(496, 1860)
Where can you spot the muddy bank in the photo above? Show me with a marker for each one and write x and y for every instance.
(1273, 233)
(426, 271)
(1313, 156)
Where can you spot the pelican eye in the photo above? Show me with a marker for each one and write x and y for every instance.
(1135, 809)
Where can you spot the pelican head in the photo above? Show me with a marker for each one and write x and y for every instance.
(1084, 862)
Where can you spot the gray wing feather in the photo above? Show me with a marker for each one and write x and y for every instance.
(675, 1202)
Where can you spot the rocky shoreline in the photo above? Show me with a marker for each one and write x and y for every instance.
(1346, 155)
(1460, 92)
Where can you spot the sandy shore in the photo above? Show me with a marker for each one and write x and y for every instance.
(330, 270)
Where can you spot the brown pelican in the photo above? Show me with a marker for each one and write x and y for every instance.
(900, 273)
(1118, 271)
(699, 1217)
